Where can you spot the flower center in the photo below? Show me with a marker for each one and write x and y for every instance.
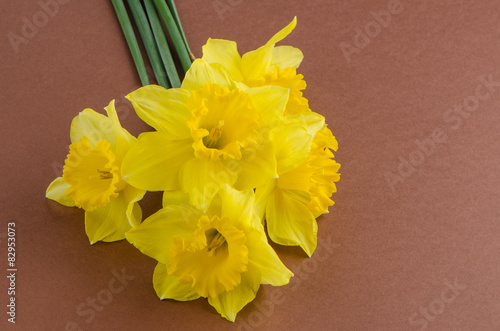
(213, 259)
(222, 122)
(92, 173)
(105, 174)
(211, 140)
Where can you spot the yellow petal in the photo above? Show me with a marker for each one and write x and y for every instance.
(92, 125)
(256, 166)
(165, 110)
(283, 32)
(202, 179)
(289, 221)
(262, 195)
(109, 222)
(325, 171)
(153, 237)
(299, 178)
(294, 83)
(202, 73)
(224, 52)
(241, 86)
(134, 212)
(168, 286)
(315, 122)
(123, 139)
(215, 208)
(262, 257)
(292, 144)
(56, 191)
(175, 198)
(238, 206)
(286, 56)
(255, 64)
(229, 303)
(154, 162)
(270, 103)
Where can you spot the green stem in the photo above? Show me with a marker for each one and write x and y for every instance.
(173, 10)
(149, 43)
(126, 26)
(174, 33)
(162, 44)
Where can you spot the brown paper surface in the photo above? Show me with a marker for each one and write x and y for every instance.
(411, 90)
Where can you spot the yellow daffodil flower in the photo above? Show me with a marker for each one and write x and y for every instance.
(292, 202)
(92, 177)
(209, 133)
(221, 254)
(268, 65)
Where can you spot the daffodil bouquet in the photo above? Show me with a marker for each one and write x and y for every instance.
(233, 148)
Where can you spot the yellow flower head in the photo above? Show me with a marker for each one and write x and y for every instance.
(307, 176)
(209, 134)
(221, 254)
(317, 175)
(268, 65)
(222, 122)
(213, 259)
(92, 174)
(92, 177)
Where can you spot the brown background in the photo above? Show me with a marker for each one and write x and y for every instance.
(385, 254)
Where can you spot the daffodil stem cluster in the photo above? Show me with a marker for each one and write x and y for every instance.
(151, 30)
